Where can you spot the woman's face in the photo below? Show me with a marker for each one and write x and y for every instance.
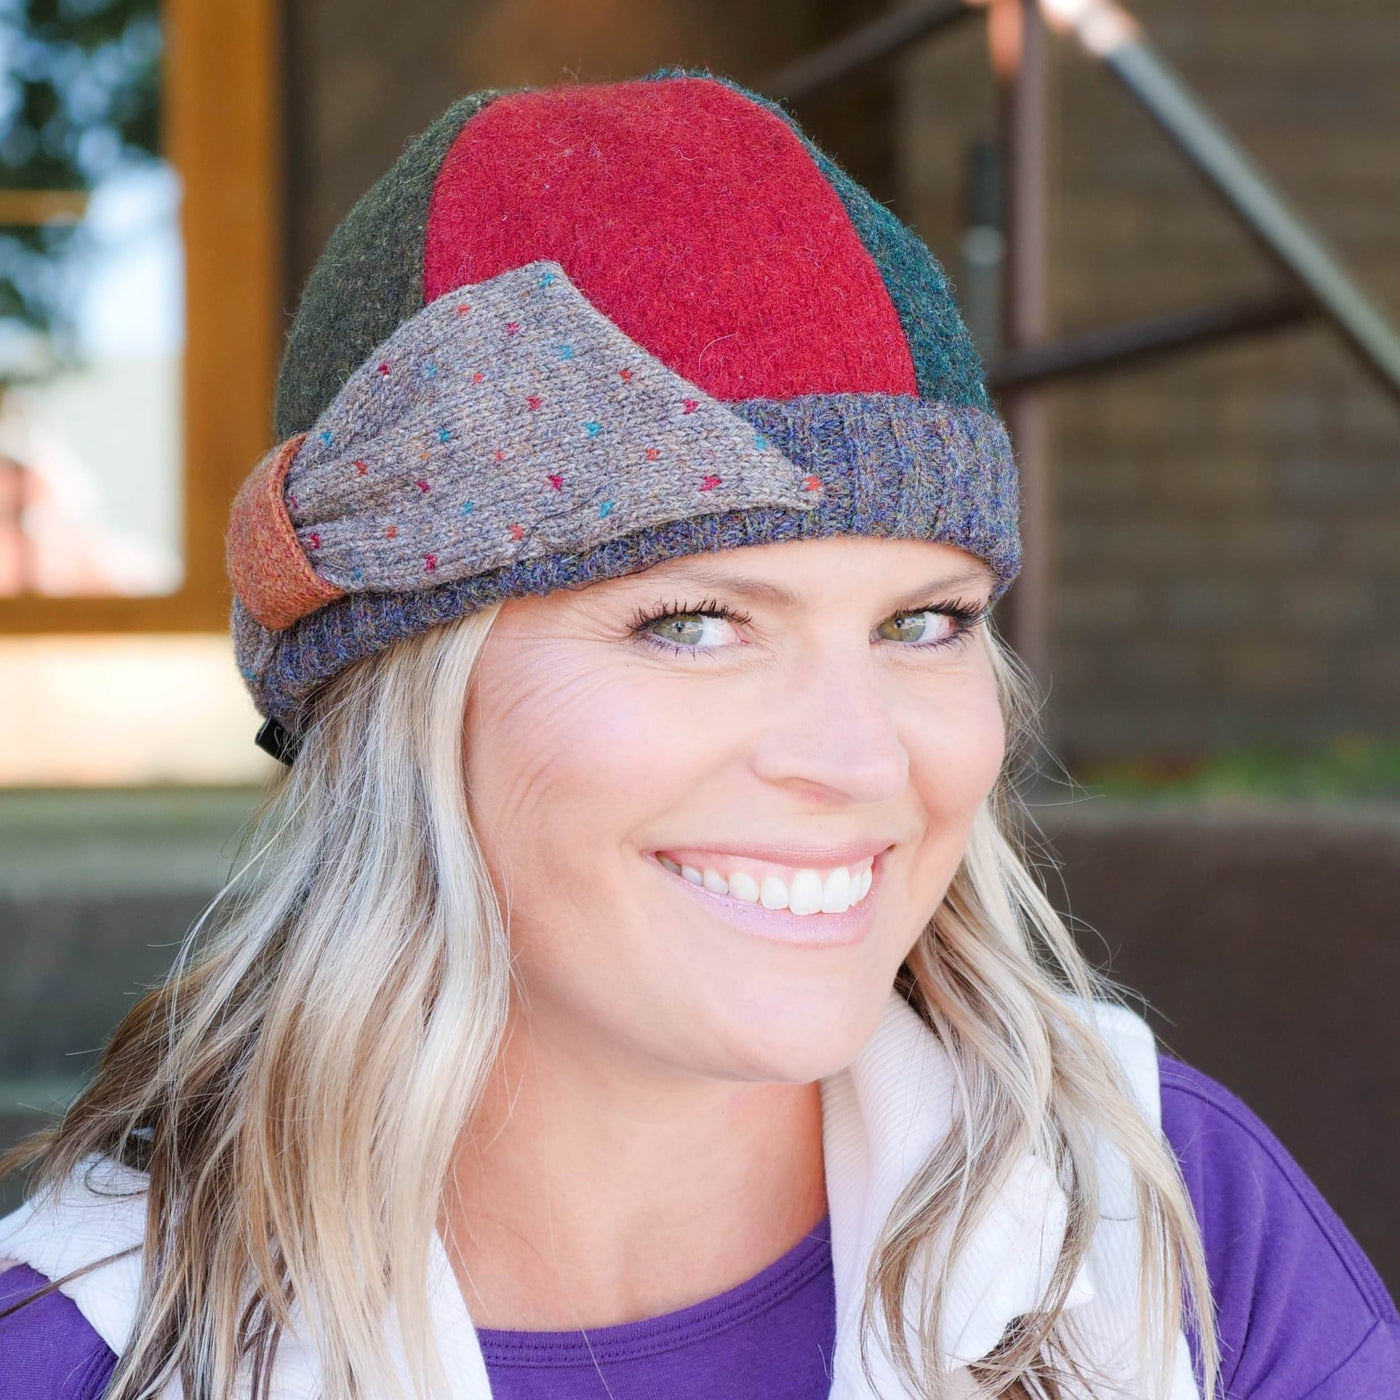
(788, 724)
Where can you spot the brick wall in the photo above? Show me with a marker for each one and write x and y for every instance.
(1228, 541)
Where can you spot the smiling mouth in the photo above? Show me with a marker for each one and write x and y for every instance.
(781, 904)
(796, 890)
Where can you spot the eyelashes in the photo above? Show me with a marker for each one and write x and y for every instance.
(708, 607)
(965, 617)
(643, 620)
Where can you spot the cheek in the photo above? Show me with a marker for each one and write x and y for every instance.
(956, 749)
(964, 751)
(574, 764)
(569, 761)
(543, 740)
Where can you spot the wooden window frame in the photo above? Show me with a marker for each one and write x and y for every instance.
(221, 121)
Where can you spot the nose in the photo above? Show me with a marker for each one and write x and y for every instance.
(830, 730)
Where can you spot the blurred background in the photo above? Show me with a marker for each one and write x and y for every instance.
(1179, 250)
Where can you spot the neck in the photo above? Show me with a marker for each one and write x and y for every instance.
(589, 1191)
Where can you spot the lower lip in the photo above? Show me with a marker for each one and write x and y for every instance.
(782, 925)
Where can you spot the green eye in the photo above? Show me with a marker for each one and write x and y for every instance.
(681, 629)
(907, 627)
(710, 627)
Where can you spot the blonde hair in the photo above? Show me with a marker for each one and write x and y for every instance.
(296, 1087)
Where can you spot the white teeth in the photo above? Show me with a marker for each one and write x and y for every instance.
(836, 893)
(743, 886)
(805, 893)
(773, 894)
(808, 892)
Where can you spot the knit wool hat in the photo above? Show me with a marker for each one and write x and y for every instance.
(576, 330)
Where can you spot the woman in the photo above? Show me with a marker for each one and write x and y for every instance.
(633, 988)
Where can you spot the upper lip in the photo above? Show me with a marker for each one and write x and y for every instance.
(843, 853)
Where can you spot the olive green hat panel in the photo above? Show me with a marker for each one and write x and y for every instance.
(369, 279)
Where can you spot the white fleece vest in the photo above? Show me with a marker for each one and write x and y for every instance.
(881, 1118)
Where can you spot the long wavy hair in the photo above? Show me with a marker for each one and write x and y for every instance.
(295, 1089)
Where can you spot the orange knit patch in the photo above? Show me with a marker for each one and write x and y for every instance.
(270, 572)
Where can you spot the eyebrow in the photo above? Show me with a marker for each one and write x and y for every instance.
(762, 591)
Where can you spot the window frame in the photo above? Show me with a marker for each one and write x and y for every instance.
(221, 125)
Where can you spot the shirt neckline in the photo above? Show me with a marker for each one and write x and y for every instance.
(651, 1336)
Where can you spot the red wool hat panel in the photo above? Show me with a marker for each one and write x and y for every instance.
(657, 199)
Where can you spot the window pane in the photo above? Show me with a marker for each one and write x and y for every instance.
(91, 308)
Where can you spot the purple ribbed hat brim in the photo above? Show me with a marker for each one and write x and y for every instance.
(893, 466)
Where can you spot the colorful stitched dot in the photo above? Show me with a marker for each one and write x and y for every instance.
(361, 468)
(593, 429)
(653, 453)
(709, 483)
(430, 370)
(689, 405)
(500, 454)
(315, 541)
(547, 279)
(468, 507)
(358, 576)
(760, 442)
(566, 352)
(557, 482)
(462, 308)
(624, 375)
(477, 377)
(391, 532)
(444, 434)
(423, 486)
(516, 531)
(534, 400)
(512, 327)
(811, 483)
(423, 456)
(326, 436)
(429, 562)
(384, 367)
(605, 510)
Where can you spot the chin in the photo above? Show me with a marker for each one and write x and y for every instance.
(800, 1028)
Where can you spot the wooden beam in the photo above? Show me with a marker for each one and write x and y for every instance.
(1020, 56)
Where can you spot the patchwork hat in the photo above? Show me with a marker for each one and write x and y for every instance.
(576, 330)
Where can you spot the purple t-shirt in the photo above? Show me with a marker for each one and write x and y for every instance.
(771, 1336)
(1302, 1314)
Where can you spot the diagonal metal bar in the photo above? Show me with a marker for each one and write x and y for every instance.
(1111, 34)
(1121, 347)
(862, 47)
